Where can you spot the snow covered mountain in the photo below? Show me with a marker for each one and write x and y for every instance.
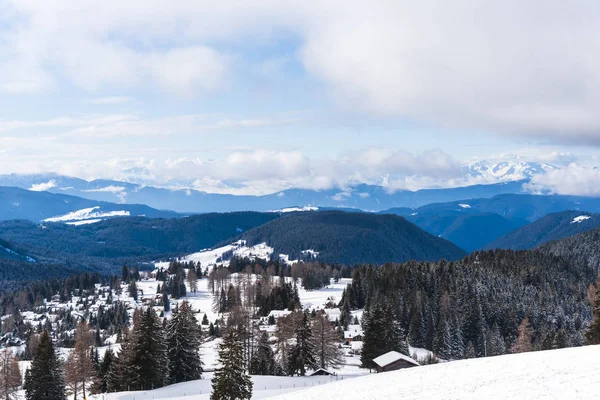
(505, 171)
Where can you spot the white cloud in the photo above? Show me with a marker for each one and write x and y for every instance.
(110, 100)
(500, 65)
(42, 187)
(575, 179)
(504, 66)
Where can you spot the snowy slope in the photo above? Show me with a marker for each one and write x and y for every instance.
(557, 374)
(88, 214)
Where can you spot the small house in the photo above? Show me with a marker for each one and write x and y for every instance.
(393, 361)
(321, 372)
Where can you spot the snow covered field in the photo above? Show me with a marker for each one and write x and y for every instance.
(264, 387)
(557, 374)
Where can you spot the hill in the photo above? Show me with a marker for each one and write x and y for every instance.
(583, 248)
(514, 376)
(16, 203)
(106, 245)
(551, 227)
(469, 231)
(349, 238)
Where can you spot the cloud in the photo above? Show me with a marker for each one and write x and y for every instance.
(575, 179)
(109, 100)
(42, 187)
(501, 65)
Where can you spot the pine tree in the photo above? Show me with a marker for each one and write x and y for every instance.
(183, 342)
(373, 346)
(230, 382)
(443, 340)
(263, 361)
(302, 355)
(101, 382)
(326, 342)
(393, 336)
(149, 352)
(457, 344)
(495, 345)
(10, 375)
(44, 380)
(166, 302)
(345, 313)
(122, 372)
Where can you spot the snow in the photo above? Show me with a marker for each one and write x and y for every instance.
(556, 374)
(310, 252)
(264, 387)
(464, 205)
(9, 251)
(84, 222)
(505, 171)
(213, 257)
(392, 356)
(87, 214)
(580, 219)
(296, 209)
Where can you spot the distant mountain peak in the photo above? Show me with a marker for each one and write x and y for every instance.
(509, 170)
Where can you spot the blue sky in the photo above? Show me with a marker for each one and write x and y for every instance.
(227, 97)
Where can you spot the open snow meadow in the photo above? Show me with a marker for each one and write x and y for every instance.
(554, 374)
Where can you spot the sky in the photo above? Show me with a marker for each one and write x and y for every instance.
(243, 97)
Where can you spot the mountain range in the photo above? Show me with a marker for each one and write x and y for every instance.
(186, 200)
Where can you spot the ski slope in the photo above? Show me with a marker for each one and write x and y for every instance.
(557, 374)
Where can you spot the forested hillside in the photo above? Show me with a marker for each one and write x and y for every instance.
(489, 303)
(551, 227)
(583, 249)
(106, 245)
(350, 238)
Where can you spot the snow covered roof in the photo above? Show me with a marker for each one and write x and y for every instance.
(351, 335)
(279, 313)
(391, 357)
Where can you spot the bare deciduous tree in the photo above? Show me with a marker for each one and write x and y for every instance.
(326, 343)
(10, 375)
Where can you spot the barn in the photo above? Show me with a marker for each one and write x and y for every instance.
(393, 361)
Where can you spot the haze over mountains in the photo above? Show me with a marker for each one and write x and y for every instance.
(481, 179)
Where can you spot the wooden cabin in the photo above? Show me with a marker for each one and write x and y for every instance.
(393, 361)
